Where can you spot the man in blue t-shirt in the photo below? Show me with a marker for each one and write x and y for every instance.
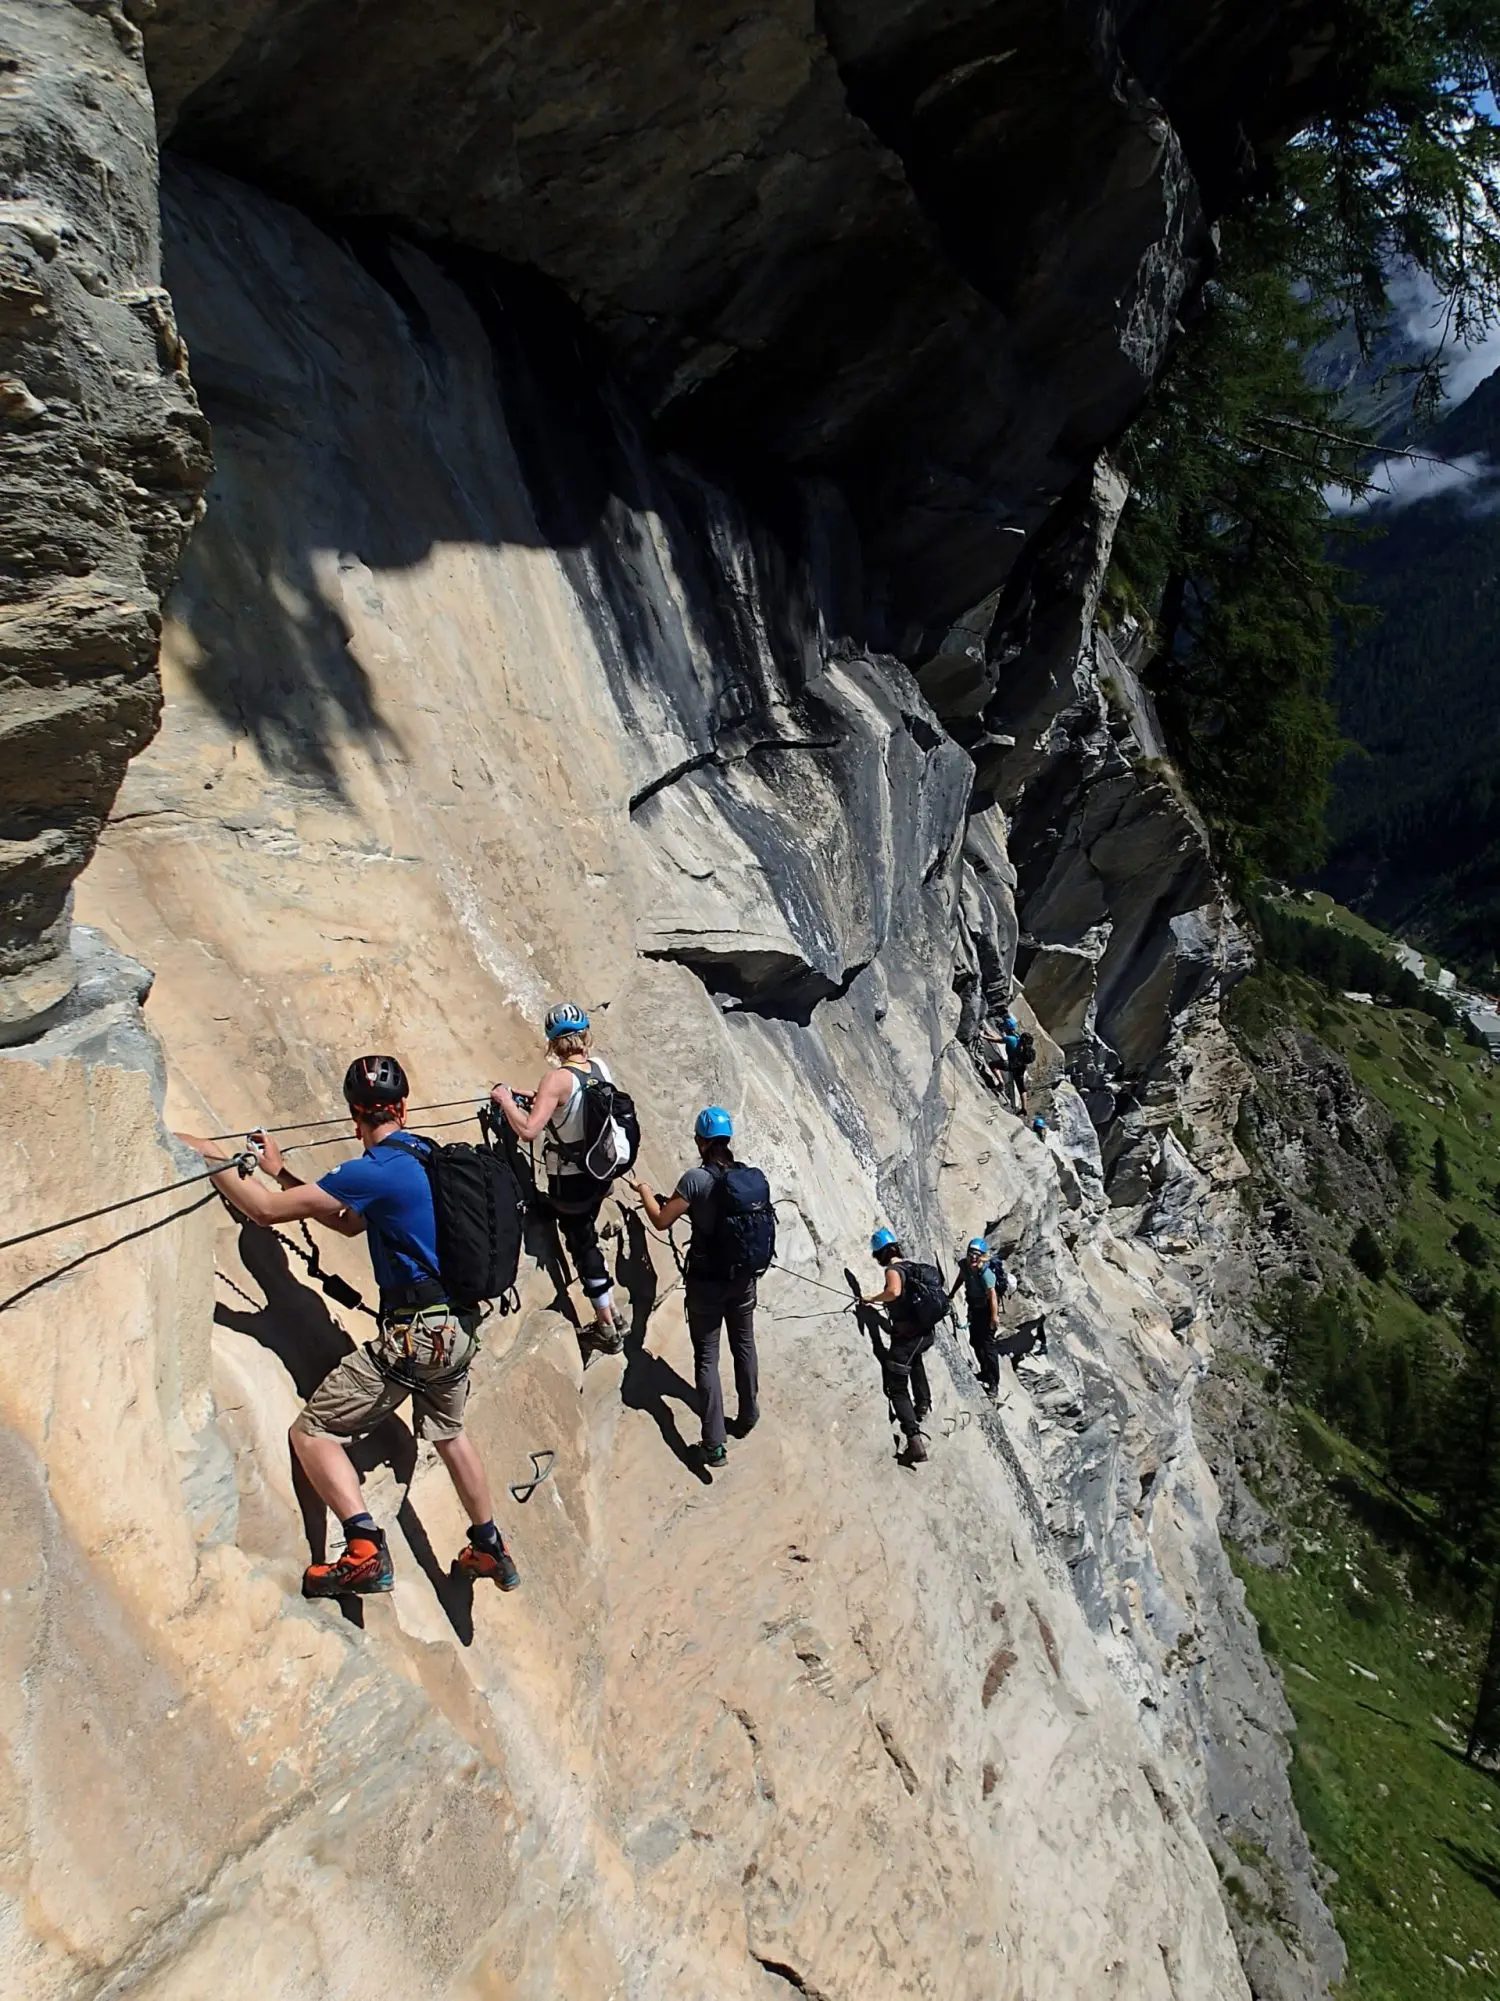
(982, 1285)
(424, 1347)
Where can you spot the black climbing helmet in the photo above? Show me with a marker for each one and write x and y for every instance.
(374, 1084)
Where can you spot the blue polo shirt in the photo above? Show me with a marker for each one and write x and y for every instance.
(388, 1186)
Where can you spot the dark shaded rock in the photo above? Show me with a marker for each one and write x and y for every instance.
(103, 455)
(786, 219)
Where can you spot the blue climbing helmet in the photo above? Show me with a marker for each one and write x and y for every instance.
(881, 1241)
(1009, 1021)
(713, 1122)
(978, 1244)
(566, 1018)
(1038, 1124)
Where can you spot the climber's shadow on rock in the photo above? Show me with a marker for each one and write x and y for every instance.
(540, 1238)
(650, 1380)
(876, 1332)
(294, 1325)
(635, 1274)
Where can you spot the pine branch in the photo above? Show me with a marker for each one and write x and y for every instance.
(1354, 444)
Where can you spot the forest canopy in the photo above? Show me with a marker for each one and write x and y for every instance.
(1227, 550)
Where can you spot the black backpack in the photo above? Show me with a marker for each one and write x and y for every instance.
(741, 1240)
(476, 1201)
(924, 1297)
(611, 1131)
(1025, 1054)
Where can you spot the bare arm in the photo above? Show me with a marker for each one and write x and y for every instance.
(660, 1214)
(891, 1292)
(550, 1093)
(287, 1203)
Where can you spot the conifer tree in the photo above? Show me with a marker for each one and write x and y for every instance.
(1224, 549)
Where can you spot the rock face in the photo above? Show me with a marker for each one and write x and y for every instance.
(103, 454)
(729, 194)
(479, 693)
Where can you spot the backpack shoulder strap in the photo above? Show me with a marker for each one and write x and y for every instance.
(560, 1110)
(424, 1153)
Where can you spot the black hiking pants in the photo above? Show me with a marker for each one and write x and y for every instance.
(906, 1385)
(575, 1203)
(982, 1339)
(714, 1305)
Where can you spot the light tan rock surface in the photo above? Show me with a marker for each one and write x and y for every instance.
(817, 1723)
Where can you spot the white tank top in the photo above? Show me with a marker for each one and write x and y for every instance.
(565, 1127)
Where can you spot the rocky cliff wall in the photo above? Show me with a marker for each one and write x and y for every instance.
(932, 251)
(428, 759)
(476, 694)
(103, 454)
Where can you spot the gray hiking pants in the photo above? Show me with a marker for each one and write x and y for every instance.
(712, 1306)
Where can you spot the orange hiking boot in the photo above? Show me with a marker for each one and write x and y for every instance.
(477, 1559)
(363, 1568)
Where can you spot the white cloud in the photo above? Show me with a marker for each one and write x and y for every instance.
(1472, 482)
(1416, 302)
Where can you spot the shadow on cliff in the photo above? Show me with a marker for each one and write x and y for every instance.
(395, 401)
(296, 1327)
(650, 1382)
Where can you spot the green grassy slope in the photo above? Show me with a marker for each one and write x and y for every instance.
(1381, 1689)
(1372, 1584)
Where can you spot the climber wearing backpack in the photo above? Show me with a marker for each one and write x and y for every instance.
(1020, 1054)
(982, 1276)
(428, 1332)
(733, 1244)
(589, 1135)
(914, 1302)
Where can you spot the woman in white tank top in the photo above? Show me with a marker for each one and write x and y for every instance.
(556, 1117)
(565, 1129)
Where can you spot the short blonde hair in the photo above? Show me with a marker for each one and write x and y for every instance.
(572, 1042)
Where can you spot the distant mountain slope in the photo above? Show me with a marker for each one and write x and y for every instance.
(1416, 817)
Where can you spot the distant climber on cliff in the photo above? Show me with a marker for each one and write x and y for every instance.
(1020, 1054)
(425, 1344)
(982, 1276)
(733, 1243)
(1004, 1040)
(589, 1133)
(914, 1302)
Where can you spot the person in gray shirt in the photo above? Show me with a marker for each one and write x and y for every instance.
(734, 1240)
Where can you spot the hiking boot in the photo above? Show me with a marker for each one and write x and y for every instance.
(916, 1449)
(362, 1569)
(714, 1455)
(492, 1561)
(608, 1336)
(741, 1427)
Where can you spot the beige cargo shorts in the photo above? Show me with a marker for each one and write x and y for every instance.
(424, 1355)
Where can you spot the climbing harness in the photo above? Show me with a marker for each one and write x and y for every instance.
(522, 1490)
